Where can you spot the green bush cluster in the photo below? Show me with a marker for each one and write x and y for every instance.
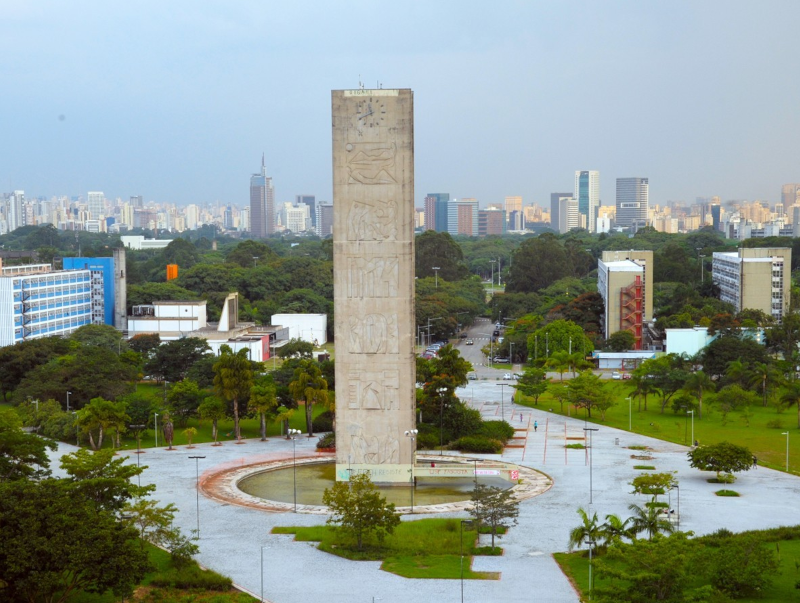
(479, 444)
(192, 578)
(323, 421)
(327, 441)
(497, 430)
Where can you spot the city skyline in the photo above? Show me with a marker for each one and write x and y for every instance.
(175, 114)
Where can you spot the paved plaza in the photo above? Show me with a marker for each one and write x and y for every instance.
(232, 537)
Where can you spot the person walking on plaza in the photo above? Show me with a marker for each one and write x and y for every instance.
(535, 426)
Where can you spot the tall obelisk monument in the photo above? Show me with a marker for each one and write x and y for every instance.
(373, 273)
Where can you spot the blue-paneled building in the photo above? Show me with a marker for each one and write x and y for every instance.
(102, 270)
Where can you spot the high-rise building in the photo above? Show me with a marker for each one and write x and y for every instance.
(633, 195)
(555, 210)
(621, 285)
(513, 207)
(15, 216)
(716, 215)
(136, 201)
(324, 226)
(462, 217)
(102, 281)
(192, 213)
(436, 211)
(491, 222)
(295, 218)
(587, 192)
(757, 278)
(643, 258)
(262, 204)
(790, 194)
(96, 204)
(311, 201)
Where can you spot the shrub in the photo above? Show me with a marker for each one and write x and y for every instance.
(575, 446)
(327, 441)
(644, 467)
(323, 422)
(726, 493)
(774, 424)
(497, 430)
(478, 444)
(637, 448)
(493, 551)
(192, 578)
(427, 441)
(460, 420)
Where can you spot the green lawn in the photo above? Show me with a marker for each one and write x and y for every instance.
(576, 567)
(427, 548)
(767, 443)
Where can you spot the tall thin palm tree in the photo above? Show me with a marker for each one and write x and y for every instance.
(763, 375)
(736, 372)
(614, 530)
(589, 529)
(233, 379)
(650, 520)
(559, 361)
(309, 386)
(791, 397)
(697, 383)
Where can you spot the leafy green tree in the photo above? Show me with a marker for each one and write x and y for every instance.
(743, 566)
(184, 398)
(588, 530)
(588, 391)
(560, 336)
(17, 360)
(99, 335)
(784, 338)
(763, 375)
(621, 341)
(22, 455)
(653, 484)
(533, 383)
(145, 344)
(643, 571)
(559, 361)
(728, 348)
(173, 359)
(147, 293)
(697, 383)
(537, 263)
(723, 457)
(100, 416)
(102, 479)
(649, 519)
(434, 248)
(250, 253)
(358, 510)
(55, 544)
(733, 397)
(154, 523)
(666, 374)
(493, 507)
(212, 409)
(182, 252)
(296, 348)
(233, 378)
(560, 393)
(310, 387)
(140, 406)
(264, 401)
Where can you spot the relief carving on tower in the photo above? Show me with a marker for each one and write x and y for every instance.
(373, 334)
(374, 276)
(373, 390)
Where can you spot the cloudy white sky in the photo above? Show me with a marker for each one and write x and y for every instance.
(177, 100)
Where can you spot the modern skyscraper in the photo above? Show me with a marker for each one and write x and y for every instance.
(513, 207)
(324, 213)
(15, 216)
(311, 201)
(633, 195)
(462, 217)
(436, 211)
(262, 204)
(96, 205)
(136, 201)
(790, 194)
(555, 211)
(587, 192)
(491, 222)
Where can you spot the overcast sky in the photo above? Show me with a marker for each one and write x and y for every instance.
(176, 101)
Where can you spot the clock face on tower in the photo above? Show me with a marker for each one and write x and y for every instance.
(370, 113)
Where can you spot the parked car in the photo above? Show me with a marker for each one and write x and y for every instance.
(499, 360)
(462, 336)
(472, 376)
(616, 375)
(626, 375)
(508, 376)
(469, 342)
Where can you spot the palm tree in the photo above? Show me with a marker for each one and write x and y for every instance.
(792, 397)
(736, 372)
(233, 379)
(648, 520)
(643, 386)
(559, 362)
(588, 530)
(310, 387)
(614, 530)
(263, 400)
(697, 383)
(213, 409)
(101, 415)
(762, 374)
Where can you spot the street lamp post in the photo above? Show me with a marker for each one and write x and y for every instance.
(262, 572)
(492, 286)
(77, 430)
(511, 354)
(442, 391)
(691, 412)
(502, 387)
(255, 261)
(678, 488)
(786, 433)
(469, 525)
(68, 393)
(590, 430)
(429, 327)
(412, 433)
(436, 272)
(591, 544)
(197, 488)
(155, 419)
(137, 429)
(630, 420)
(293, 433)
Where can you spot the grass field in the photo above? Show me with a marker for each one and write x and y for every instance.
(576, 567)
(427, 548)
(767, 443)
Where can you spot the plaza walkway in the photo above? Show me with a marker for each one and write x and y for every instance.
(232, 537)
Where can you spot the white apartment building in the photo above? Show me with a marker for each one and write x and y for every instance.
(757, 278)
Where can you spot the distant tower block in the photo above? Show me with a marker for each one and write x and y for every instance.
(373, 259)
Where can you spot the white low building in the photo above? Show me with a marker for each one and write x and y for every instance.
(138, 242)
(312, 328)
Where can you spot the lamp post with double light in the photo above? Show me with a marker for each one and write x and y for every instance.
(786, 433)
(137, 430)
(590, 430)
(197, 489)
(441, 391)
(469, 523)
(691, 412)
(293, 433)
(412, 435)
(436, 272)
(503, 387)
